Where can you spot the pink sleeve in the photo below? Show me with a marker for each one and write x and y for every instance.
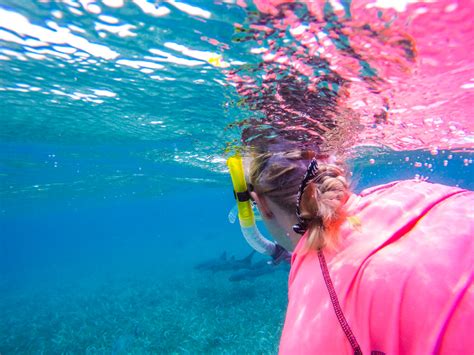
(404, 279)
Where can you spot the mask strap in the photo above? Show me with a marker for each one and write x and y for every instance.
(309, 176)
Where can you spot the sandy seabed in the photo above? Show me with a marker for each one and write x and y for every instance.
(197, 313)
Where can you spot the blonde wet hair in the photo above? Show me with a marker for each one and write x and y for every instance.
(277, 176)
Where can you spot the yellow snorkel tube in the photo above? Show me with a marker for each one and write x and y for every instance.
(245, 212)
(236, 169)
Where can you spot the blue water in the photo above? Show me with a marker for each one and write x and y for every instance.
(107, 207)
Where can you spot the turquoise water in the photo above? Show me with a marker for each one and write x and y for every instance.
(113, 188)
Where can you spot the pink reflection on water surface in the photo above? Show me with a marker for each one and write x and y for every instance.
(396, 74)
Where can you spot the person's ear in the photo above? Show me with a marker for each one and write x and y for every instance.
(262, 204)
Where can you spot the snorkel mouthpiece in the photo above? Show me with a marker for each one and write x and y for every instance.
(246, 216)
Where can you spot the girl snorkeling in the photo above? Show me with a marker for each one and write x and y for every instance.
(387, 271)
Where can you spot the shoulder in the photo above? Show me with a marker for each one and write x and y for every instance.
(408, 185)
(408, 192)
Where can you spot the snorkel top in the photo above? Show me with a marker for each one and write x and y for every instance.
(247, 217)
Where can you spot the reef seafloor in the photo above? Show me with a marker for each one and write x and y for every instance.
(202, 311)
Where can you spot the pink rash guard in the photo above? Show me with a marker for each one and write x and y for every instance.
(403, 276)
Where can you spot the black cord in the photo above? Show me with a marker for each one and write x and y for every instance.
(337, 307)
